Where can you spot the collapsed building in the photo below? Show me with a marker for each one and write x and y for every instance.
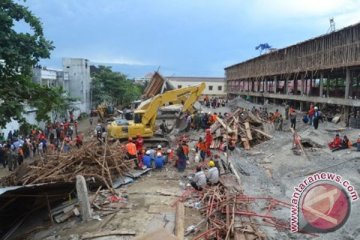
(324, 70)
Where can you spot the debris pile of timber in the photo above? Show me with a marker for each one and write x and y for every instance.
(104, 163)
(242, 126)
(229, 214)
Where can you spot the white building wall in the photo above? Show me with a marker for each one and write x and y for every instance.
(212, 88)
(78, 86)
(30, 115)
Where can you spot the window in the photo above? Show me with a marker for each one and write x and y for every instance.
(210, 88)
(179, 86)
(219, 88)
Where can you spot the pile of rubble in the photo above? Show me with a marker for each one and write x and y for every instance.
(242, 126)
(104, 163)
(227, 213)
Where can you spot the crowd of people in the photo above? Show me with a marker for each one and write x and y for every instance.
(59, 136)
(214, 102)
(178, 157)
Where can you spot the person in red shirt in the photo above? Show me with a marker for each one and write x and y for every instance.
(336, 143)
(139, 143)
(208, 141)
(78, 141)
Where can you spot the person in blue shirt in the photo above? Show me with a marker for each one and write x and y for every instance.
(147, 160)
(159, 161)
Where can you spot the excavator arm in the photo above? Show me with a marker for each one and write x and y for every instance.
(187, 96)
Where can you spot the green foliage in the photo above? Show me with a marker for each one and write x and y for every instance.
(19, 52)
(112, 87)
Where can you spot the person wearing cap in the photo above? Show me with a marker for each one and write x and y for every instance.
(213, 174)
(317, 117)
(336, 143)
(147, 160)
(159, 161)
(199, 180)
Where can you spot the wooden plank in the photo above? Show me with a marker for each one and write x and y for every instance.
(107, 233)
(248, 131)
(227, 128)
(246, 143)
(262, 133)
(179, 221)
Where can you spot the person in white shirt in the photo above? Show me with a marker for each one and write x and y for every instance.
(199, 180)
(213, 174)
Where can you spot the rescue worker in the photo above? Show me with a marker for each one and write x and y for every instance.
(201, 146)
(213, 174)
(311, 114)
(186, 149)
(199, 180)
(317, 117)
(131, 149)
(147, 160)
(159, 161)
(292, 116)
(336, 143)
(139, 143)
(181, 162)
(208, 141)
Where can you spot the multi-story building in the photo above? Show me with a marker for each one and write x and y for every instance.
(79, 80)
(322, 70)
(215, 86)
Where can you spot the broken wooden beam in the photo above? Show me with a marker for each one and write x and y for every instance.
(179, 221)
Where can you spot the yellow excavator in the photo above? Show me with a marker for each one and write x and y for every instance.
(146, 113)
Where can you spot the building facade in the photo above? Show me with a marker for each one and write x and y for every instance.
(324, 70)
(79, 81)
(214, 86)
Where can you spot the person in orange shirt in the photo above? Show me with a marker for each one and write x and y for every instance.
(201, 146)
(20, 155)
(185, 149)
(208, 141)
(130, 149)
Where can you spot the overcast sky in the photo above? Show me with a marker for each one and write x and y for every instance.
(182, 37)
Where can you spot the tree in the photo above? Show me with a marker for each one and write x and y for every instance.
(19, 52)
(112, 87)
